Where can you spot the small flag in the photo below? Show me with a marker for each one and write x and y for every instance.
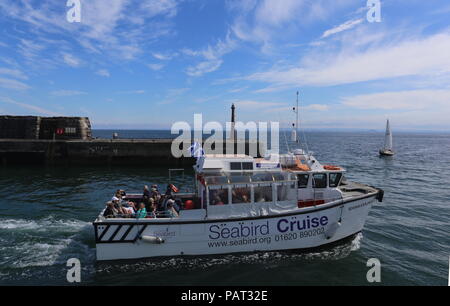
(196, 150)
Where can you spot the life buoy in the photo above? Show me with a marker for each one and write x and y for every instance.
(189, 204)
(330, 167)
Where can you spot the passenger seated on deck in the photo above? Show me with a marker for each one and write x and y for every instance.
(110, 211)
(170, 211)
(166, 202)
(149, 204)
(152, 211)
(130, 208)
(169, 191)
(177, 205)
(116, 200)
(142, 212)
(217, 200)
(146, 194)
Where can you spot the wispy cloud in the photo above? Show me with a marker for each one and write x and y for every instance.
(426, 56)
(132, 92)
(71, 60)
(266, 21)
(212, 56)
(343, 27)
(164, 56)
(104, 73)
(13, 84)
(67, 93)
(116, 28)
(155, 67)
(401, 100)
(15, 73)
(255, 105)
(29, 107)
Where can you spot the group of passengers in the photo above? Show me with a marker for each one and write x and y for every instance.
(240, 195)
(153, 204)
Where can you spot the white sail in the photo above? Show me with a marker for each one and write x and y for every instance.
(388, 137)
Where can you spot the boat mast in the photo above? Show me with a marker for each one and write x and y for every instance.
(295, 125)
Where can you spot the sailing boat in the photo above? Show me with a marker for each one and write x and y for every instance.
(387, 149)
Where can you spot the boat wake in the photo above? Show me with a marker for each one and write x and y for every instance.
(26, 244)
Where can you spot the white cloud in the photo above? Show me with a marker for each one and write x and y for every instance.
(316, 107)
(155, 67)
(14, 73)
(117, 28)
(13, 84)
(269, 20)
(163, 57)
(212, 56)
(401, 100)
(103, 73)
(33, 108)
(29, 49)
(343, 27)
(71, 60)
(275, 12)
(256, 105)
(67, 93)
(415, 57)
(133, 92)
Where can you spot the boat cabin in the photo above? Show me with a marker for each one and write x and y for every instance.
(235, 186)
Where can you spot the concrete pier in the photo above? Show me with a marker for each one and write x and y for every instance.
(99, 151)
(68, 140)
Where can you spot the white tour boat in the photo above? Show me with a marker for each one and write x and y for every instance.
(246, 204)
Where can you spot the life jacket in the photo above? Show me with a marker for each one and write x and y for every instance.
(173, 188)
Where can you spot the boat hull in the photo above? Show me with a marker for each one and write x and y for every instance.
(300, 229)
(386, 153)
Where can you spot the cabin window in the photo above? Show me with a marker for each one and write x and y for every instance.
(282, 193)
(319, 180)
(218, 196)
(241, 166)
(241, 195)
(302, 180)
(334, 179)
(235, 166)
(263, 193)
(247, 166)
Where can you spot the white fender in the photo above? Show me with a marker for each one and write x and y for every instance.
(332, 229)
(152, 239)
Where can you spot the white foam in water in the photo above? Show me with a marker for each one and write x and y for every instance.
(356, 243)
(39, 242)
(46, 224)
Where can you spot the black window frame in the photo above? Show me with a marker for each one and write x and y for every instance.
(307, 181)
(314, 181)
(247, 166)
(234, 165)
(339, 174)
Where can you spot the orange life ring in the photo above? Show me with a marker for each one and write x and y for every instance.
(330, 167)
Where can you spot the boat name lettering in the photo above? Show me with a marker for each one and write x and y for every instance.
(222, 231)
(294, 224)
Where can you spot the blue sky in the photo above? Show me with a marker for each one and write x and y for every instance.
(149, 63)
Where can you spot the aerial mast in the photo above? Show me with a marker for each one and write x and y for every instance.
(295, 126)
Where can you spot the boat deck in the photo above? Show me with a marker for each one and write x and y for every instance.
(353, 189)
